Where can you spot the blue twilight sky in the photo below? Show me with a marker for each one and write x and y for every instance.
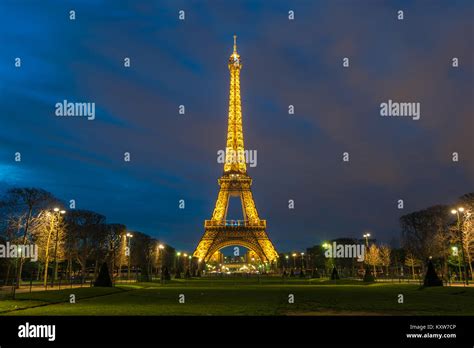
(285, 62)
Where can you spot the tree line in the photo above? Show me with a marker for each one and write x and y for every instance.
(441, 233)
(71, 243)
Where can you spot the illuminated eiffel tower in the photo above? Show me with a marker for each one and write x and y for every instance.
(250, 232)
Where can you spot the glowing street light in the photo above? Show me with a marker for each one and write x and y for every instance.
(366, 236)
(130, 236)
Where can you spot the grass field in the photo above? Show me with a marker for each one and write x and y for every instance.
(246, 297)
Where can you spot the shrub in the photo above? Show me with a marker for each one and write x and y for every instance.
(431, 278)
(103, 279)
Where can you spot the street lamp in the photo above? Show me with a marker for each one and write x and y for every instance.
(129, 235)
(55, 275)
(456, 253)
(302, 261)
(461, 238)
(160, 248)
(294, 260)
(366, 236)
(176, 260)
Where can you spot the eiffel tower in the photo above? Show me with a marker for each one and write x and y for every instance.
(250, 232)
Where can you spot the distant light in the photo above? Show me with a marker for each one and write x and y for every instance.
(56, 209)
(461, 209)
(453, 211)
(161, 246)
(63, 212)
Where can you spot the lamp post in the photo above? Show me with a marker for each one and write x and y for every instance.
(326, 246)
(294, 260)
(178, 254)
(366, 236)
(302, 261)
(461, 239)
(456, 252)
(286, 261)
(161, 247)
(129, 235)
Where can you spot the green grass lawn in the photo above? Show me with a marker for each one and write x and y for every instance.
(247, 297)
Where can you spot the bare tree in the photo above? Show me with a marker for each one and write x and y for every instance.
(424, 232)
(85, 236)
(385, 259)
(412, 262)
(26, 203)
(372, 257)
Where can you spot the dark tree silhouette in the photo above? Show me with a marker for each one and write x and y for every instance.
(431, 278)
(368, 277)
(103, 280)
(334, 274)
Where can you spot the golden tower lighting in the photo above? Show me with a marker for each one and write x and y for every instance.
(218, 231)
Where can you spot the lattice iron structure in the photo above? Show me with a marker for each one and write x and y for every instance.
(251, 231)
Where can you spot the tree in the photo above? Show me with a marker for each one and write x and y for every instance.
(412, 262)
(385, 252)
(334, 274)
(368, 276)
(372, 257)
(463, 232)
(115, 243)
(86, 235)
(424, 231)
(48, 233)
(24, 203)
(103, 280)
(431, 278)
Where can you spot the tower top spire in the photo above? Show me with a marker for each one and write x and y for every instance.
(235, 43)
